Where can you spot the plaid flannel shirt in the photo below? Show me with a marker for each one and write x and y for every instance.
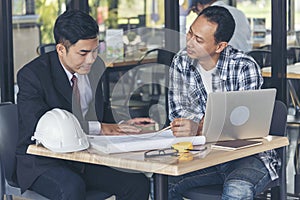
(234, 71)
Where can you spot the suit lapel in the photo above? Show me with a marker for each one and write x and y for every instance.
(96, 73)
(61, 82)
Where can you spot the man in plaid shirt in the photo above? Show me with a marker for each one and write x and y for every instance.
(209, 64)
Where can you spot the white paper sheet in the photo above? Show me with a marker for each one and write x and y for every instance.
(127, 143)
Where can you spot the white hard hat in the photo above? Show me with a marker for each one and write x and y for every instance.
(60, 131)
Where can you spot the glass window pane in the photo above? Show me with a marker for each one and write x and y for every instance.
(33, 22)
(259, 14)
(138, 23)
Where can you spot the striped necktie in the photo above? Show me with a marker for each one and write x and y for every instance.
(76, 107)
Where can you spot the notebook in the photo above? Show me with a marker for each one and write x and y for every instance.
(238, 114)
(232, 145)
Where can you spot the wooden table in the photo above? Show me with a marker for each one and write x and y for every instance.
(293, 71)
(161, 168)
(131, 62)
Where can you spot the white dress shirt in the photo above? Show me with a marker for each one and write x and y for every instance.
(86, 97)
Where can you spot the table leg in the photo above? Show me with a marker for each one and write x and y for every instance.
(160, 187)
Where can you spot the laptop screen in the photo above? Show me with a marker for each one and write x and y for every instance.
(238, 114)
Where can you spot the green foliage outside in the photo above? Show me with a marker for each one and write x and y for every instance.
(49, 10)
(48, 13)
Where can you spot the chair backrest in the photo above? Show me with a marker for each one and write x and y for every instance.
(279, 118)
(163, 56)
(293, 55)
(297, 33)
(140, 92)
(45, 48)
(8, 140)
(278, 128)
(262, 57)
(265, 47)
(142, 88)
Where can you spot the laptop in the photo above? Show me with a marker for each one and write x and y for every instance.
(238, 114)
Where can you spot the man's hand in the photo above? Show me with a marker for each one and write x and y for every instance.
(200, 127)
(119, 129)
(185, 127)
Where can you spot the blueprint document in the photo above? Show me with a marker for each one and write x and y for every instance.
(140, 142)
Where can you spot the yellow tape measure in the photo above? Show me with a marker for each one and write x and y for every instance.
(182, 147)
(185, 157)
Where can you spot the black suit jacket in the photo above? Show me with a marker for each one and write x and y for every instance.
(44, 85)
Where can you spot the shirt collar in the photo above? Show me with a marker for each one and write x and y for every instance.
(222, 64)
(69, 74)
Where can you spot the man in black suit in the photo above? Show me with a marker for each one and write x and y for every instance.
(45, 83)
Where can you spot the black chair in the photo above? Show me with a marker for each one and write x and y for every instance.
(8, 142)
(297, 33)
(263, 59)
(163, 56)
(141, 88)
(261, 56)
(265, 47)
(164, 59)
(293, 55)
(45, 48)
(160, 73)
(137, 93)
(278, 187)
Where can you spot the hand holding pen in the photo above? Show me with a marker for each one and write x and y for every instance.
(186, 127)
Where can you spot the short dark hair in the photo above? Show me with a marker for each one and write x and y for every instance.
(222, 17)
(74, 25)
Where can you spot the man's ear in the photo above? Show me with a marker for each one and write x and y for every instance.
(221, 46)
(60, 48)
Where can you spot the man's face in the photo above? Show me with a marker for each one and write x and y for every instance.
(200, 41)
(80, 56)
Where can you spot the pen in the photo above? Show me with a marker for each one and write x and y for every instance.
(190, 117)
(169, 127)
(164, 129)
(121, 122)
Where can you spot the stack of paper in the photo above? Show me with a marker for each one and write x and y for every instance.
(127, 143)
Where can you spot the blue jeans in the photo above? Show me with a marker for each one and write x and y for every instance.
(241, 179)
(64, 182)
